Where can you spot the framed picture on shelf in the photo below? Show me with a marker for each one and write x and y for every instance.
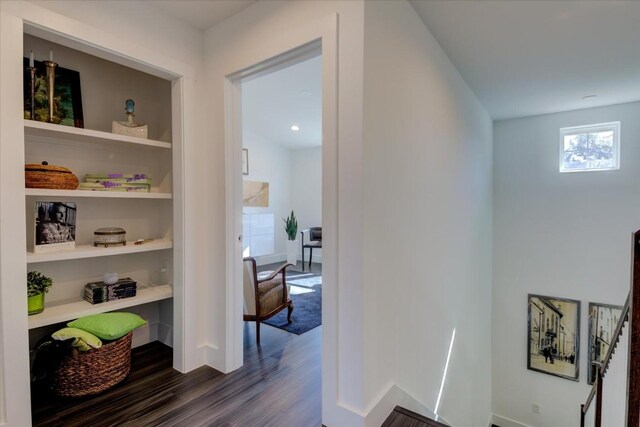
(67, 95)
(603, 319)
(55, 226)
(245, 161)
(553, 336)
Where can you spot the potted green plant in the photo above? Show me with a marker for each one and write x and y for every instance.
(37, 285)
(291, 227)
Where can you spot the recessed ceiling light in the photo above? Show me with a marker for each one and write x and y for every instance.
(295, 128)
(589, 96)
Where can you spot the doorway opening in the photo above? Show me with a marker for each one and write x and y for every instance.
(282, 198)
(317, 40)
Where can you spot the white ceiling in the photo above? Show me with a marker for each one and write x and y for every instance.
(524, 58)
(520, 58)
(202, 14)
(271, 104)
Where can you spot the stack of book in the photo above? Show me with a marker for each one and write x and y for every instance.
(97, 292)
(117, 182)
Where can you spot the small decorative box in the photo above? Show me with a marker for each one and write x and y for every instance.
(110, 236)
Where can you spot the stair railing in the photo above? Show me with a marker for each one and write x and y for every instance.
(631, 313)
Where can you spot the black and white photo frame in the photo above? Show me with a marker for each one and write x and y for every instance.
(553, 336)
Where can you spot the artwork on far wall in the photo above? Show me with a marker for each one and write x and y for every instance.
(255, 194)
(245, 161)
(554, 336)
(603, 319)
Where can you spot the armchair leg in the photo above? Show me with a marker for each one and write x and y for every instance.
(310, 257)
(289, 311)
(258, 331)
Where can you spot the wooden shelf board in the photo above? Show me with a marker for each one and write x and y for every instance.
(90, 251)
(32, 192)
(68, 310)
(34, 128)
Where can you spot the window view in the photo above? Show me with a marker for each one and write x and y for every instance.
(590, 148)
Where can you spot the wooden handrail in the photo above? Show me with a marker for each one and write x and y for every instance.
(631, 313)
(587, 404)
(612, 348)
(633, 382)
(601, 368)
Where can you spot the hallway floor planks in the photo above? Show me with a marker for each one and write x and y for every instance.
(279, 385)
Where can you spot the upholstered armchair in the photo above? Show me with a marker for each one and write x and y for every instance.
(265, 295)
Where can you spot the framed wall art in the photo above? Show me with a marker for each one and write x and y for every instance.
(553, 336)
(255, 194)
(245, 161)
(67, 96)
(603, 319)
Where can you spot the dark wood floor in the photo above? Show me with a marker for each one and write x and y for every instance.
(279, 385)
(401, 417)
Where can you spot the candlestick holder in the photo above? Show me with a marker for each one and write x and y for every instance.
(32, 92)
(51, 83)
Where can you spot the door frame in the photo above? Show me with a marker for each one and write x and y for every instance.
(320, 38)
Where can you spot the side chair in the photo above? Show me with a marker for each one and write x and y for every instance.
(265, 295)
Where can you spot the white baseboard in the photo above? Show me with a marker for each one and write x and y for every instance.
(211, 355)
(270, 259)
(506, 422)
(164, 334)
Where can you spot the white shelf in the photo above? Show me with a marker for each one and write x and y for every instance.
(90, 251)
(68, 310)
(98, 194)
(42, 129)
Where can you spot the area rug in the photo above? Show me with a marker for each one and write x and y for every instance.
(306, 293)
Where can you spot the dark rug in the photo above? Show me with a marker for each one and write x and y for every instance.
(306, 293)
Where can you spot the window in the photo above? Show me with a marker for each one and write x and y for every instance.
(590, 148)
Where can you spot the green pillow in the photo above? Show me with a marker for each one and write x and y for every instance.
(83, 340)
(109, 326)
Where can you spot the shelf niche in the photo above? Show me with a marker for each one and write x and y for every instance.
(105, 85)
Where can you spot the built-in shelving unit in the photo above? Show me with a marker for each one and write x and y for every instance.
(110, 71)
(63, 311)
(93, 149)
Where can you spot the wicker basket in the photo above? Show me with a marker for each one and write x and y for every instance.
(49, 176)
(93, 371)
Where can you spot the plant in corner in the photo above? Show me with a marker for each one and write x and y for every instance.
(37, 285)
(291, 227)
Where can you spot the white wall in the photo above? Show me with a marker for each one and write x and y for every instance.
(565, 235)
(306, 191)
(427, 221)
(270, 162)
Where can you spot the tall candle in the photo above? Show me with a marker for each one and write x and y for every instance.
(31, 59)
(51, 55)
